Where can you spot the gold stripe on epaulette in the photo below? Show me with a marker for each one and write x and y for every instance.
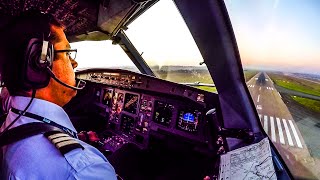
(57, 135)
(60, 139)
(65, 143)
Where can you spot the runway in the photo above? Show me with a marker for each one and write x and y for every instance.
(273, 113)
(280, 126)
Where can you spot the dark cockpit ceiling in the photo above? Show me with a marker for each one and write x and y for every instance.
(83, 19)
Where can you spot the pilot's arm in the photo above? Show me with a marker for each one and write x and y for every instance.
(87, 165)
(83, 161)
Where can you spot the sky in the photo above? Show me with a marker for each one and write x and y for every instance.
(277, 33)
(272, 34)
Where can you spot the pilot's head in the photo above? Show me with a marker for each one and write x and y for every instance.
(32, 43)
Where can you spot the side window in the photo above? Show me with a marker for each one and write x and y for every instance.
(279, 45)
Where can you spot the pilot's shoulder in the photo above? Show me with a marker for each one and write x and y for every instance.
(62, 141)
(82, 157)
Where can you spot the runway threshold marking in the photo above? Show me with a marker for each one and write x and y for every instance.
(295, 134)
(280, 131)
(273, 131)
(287, 132)
(265, 124)
(275, 122)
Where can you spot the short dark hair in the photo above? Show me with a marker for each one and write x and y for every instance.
(14, 40)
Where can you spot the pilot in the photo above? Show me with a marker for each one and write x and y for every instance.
(37, 69)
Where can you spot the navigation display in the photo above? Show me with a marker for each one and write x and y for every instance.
(188, 120)
(163, 113)
(131, 103)
(107, 97)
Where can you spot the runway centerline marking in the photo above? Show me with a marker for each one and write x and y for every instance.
(287, 132)
(258, 98)
(295, 134)
(259, 107)
(273, 131)
(280, 131)
(260, 89)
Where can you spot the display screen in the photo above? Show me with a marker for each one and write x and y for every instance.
(116, 108)
(188, 117)
(131, 103)
(127, 124)
(163, 113)
(107, 97)
(188, 120)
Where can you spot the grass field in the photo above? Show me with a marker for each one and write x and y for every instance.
(249, 74)
(186, 76)
(191, 76)
(207, 88)
(296, 84)
(309, 103)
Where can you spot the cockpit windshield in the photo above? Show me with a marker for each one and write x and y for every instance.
(102, 54)
(167, 45)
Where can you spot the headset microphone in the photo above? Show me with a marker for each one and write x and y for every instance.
(81, 84)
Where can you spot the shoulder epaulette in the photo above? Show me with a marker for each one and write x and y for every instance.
(64, 142)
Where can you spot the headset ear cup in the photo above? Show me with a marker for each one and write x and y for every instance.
(35, 73)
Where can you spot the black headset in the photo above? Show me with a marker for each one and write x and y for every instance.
(39, 55)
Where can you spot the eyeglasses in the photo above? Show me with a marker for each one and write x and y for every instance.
(71, 53)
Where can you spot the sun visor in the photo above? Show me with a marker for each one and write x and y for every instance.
(90, 36)
(114, 14)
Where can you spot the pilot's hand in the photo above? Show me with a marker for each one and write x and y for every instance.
(83, 136)
(93, 137)
(206, 178)
(90, 136)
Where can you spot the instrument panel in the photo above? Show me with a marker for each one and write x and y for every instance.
(138, 106)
